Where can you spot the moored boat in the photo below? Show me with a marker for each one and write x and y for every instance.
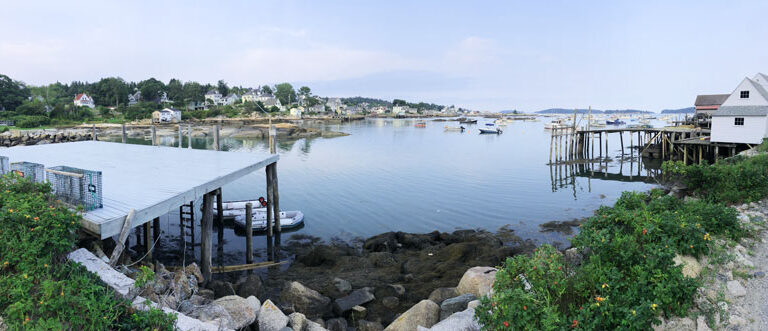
(288, 220)
(490, 130)
(468, 121)
(454, 129)
(421, 124)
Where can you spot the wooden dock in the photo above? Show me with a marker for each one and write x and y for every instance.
(140, 183)
(690, 145)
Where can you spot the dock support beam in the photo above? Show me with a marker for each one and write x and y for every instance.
(154, 136)
(155, 228)
(219, 208)
(125, 136)
(93, 132)
(148, 240)
(189, 136)
(181, 137)
(216, 144)
(248, 233)
(206, 250)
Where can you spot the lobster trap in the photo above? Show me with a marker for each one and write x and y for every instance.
(5, 167)
(35, 172)
(76, 187)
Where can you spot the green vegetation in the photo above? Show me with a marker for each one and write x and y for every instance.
(39, 289)
(628, 278)
(736, 180)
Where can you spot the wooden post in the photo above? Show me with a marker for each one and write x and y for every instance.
(219, 208)
(125, 136)
(551, 141)
(216, 145)
(717, 152)
(189, 136)
(685, 154)
(269, 208)
(123, 238)
(249, 233)
(181, 137)
(621, 139)
(276, 198)
(148, 240)
(156, 228)
(154, 136)
(631, 151)
(606, 144)
(93, 132)
(700, 156)
(207, 229)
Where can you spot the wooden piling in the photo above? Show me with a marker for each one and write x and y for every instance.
(275, 198)
(93, 132)
(154, 136)
(156, 228)
(551, 141)
(181, 137)
(219, 208)
(206, 249)
(269, 202)
(249, 233)
(216, 144)
(148, 240)
(621, 140)
(717, 152)
(125, 135)
(189, 136)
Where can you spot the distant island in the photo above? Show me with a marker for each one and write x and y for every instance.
(594, 111)
(687, 110)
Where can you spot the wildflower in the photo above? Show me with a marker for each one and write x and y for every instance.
(691, 246)
(534, 267)
(5, 263)
(525, 307)
(653, 306)
(26, 216)
(558, 268)
(36, 218)
(555, 282)
(506, 324)
(62, 293)
(25, 276)
(605, 285)
(10, 211)
(599, 299)
(645, 231)
(574, 324)
(706, 236)
(45, 265)
(634, 312)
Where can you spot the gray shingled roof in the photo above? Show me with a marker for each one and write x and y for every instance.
(741, 111)
(710, 99)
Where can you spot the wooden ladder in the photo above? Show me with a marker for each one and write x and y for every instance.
(187, 221)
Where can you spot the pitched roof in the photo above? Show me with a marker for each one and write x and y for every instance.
(760, 88)
(710, 99)
(77, 97)
(212, 92)
(741, 111)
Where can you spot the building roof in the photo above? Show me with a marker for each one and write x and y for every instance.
(710, 99)
(741, 111)
(212, 92)
(77, 97)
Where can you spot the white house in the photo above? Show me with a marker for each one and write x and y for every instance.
(378, 110)
(230, 99)
(334, 104)
(296, 112)
(134, 98)
(167, 115)
(83, 100)
(743, 116)
(316, 109)
(250, 96)
(214, 96)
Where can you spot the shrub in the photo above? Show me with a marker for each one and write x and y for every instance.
(735, 181)
(26, 122)
(39, 289)
(628, 276)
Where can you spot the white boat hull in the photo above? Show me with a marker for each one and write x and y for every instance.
(288, 220)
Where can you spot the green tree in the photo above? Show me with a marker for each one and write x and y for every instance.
(285, 93)
(266, 89)
(31, 108)
(223, 88)
(305, 91)
(175, 90)
(151, 89)
(194, 92)
(109, 91)
(12, 93)
(399, 102)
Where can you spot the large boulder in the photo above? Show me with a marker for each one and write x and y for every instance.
(271, 318)
(336, 324)
(305, 300)
(207, 313)
(297, 321)
(461, 321)
(477, 281)
(248, 286)
(220, 288)
(691, 267)
(442, 293)
(356, 298)
(243, 311)
(454, 305)
(425, 313)
(363, 325)
(735, 289)
(193, 269)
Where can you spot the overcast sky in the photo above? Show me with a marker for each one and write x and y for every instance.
(482, 55)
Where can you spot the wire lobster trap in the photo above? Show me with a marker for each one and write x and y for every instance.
(5, 167)
(76, 187)
(35, 172)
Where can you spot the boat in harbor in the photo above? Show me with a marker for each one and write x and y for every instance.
(421, 124)
(468, 121)
(615, 121)
(288, 220)
(454, 129)
(490, 131)
(555, 124)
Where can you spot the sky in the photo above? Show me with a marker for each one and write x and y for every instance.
(483, 55)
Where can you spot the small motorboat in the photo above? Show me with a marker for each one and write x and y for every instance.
(615, 122)
(490, 130)
(421, 124)
(288, 220)
(454, 129)
(468, 121)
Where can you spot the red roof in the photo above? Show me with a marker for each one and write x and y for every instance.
(77, 97)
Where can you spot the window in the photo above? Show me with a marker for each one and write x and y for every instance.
(738, 121)
(745, 95)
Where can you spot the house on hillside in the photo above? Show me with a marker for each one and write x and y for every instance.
(316, 109)
(231, 99)
(334, 104)
(213, 97)
(250, 96)
(134, 98)
(296, 112)
(272, 101)
(743, 116)
(83, 100)
(378, 110)
(167, 115)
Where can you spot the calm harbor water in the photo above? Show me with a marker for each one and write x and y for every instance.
(391, 176)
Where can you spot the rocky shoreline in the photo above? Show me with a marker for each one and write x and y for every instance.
(394, 279)
(39, 137)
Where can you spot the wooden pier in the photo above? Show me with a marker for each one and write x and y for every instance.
(690, 145)
(141, 183)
